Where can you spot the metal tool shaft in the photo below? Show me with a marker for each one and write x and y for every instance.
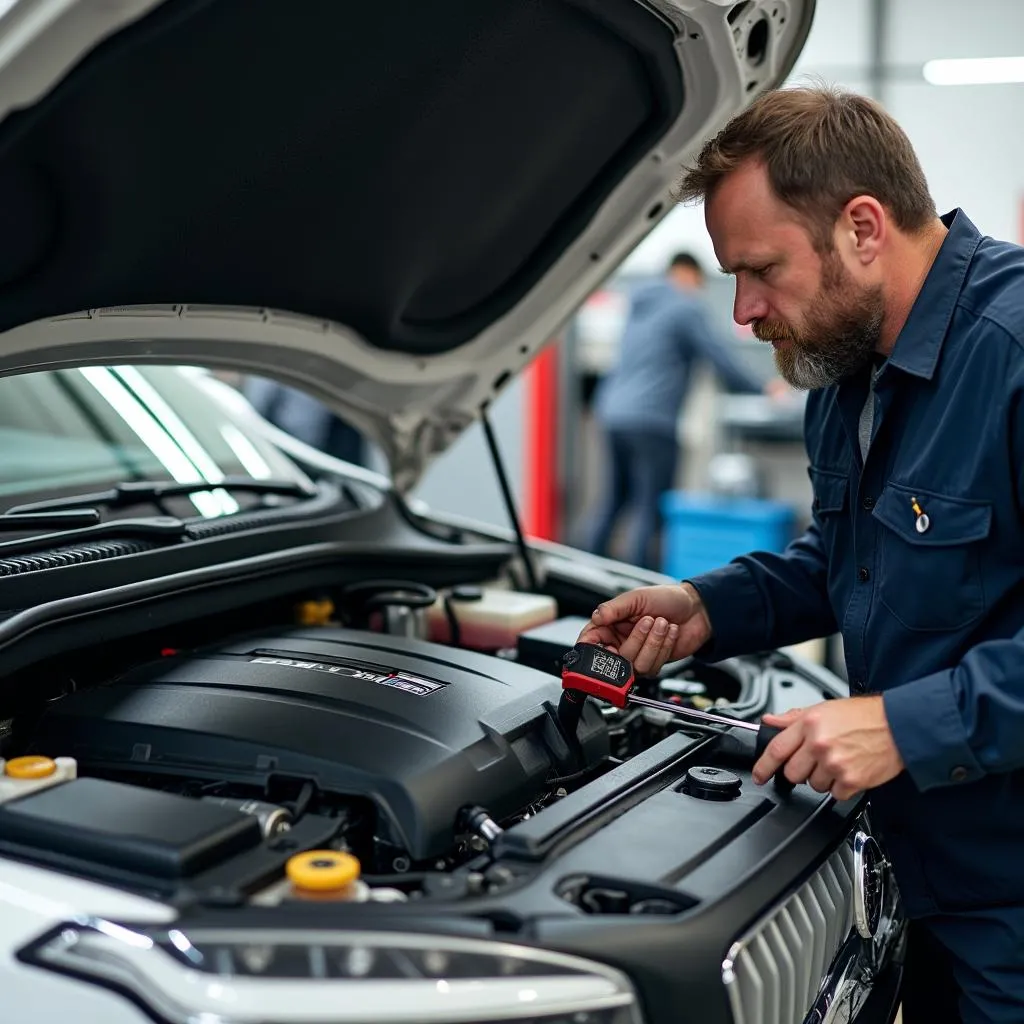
(699, 716)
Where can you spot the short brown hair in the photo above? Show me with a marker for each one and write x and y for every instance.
(821, 147)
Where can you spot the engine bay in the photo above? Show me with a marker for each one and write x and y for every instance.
(414, 733)
(398, 734)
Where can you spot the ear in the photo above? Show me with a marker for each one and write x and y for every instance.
(863, 227)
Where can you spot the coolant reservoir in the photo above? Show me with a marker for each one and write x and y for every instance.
(23, 775)
(487, 618)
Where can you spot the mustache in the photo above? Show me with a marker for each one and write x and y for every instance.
(767, 330)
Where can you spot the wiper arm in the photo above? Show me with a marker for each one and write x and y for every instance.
(134, 492)
(70, 520)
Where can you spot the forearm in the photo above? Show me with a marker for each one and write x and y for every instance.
(765, 599)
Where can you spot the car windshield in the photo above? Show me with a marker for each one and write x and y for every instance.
(83, 429)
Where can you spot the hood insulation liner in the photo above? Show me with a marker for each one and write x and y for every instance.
(408, 169)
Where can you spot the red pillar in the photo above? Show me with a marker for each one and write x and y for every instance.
(541, 505)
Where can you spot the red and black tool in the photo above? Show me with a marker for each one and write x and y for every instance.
(592, 670)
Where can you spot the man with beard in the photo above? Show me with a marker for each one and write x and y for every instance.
(907, 329)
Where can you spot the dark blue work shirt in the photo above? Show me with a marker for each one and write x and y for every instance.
(917, 556)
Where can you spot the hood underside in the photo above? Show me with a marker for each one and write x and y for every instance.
(391, 205)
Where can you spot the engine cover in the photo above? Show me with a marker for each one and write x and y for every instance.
(420, 729)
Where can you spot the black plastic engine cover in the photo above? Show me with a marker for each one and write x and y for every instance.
(420, 729)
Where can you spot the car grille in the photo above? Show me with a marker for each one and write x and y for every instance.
(774, 972)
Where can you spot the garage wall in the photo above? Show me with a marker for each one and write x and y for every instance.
(969, 137)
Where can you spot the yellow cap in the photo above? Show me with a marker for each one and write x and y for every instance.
(322, 870)
(315, 613)
(31, 767)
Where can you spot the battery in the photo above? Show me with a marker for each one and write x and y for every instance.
(115, 825)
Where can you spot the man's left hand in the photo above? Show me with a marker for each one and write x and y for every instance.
(840, 747)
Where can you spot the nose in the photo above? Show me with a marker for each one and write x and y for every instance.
(748, 305)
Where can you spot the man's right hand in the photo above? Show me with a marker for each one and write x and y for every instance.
(651, 626)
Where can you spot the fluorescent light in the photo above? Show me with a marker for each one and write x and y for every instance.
(246, 452)
(183, 437)
(141, 421)
(976, 71)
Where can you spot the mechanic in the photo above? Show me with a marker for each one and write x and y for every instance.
(907, 330)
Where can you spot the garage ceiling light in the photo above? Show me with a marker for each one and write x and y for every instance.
(978, 71)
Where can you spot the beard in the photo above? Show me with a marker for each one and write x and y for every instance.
(837, 337)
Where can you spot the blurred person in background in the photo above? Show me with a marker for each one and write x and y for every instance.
(305, 418)
(639, 403)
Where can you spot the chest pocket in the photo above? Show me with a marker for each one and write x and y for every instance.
(830, 488)
(930, 574)
(830, 506)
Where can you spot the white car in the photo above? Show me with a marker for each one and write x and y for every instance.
(276, 744)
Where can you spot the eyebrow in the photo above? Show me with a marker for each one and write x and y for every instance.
(746, 265)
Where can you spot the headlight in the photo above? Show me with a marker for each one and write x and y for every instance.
(278, 977)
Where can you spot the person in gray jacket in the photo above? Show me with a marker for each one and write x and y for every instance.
(639, 403)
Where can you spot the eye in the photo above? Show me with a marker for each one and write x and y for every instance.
(762, 272)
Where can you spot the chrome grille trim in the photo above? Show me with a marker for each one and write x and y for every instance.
(774, 973)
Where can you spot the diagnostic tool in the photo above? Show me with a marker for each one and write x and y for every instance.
(592, 670)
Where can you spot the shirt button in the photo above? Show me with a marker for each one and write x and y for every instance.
(863, 575)
(958, 774)
(868, 503)
(857, 684)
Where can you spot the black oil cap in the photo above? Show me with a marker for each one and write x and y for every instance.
(712, 784)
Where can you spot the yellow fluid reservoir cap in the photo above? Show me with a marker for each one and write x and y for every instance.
(32, 767)
(315, 613)
(322, 870)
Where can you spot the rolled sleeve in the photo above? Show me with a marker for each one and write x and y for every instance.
(928, 729)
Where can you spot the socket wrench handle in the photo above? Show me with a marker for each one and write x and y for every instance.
(725, 721)
(765, 734)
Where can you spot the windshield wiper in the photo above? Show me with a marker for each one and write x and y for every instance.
(135, 492)
(69, 520)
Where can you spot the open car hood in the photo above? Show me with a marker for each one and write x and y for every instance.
(392, 205)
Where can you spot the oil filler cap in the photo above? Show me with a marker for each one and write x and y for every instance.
(712, 784)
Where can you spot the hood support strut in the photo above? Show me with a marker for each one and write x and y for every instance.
(510, 504)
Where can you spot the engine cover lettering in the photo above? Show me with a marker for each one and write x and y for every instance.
(399, 680)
